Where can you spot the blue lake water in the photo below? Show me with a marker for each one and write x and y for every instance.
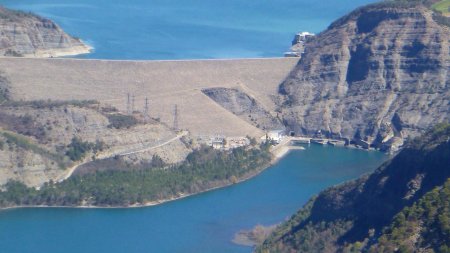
(188, 29)
(203, 223)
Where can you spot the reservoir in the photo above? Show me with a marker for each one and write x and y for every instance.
(202, 223)
(188, 29)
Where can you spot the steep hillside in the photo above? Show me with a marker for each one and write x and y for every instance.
(37, 142)
(244, 106)
(46, 140)
(351, 217)
(25, 34)
(428, 217)
(379, 74)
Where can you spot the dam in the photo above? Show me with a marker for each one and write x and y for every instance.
(164, 83)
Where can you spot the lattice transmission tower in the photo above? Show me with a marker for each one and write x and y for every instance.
(175, 118)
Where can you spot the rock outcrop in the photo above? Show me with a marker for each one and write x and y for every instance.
(25, 34)
(379, 74)
(244, 106)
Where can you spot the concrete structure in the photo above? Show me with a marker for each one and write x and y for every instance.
(339, 143)
(218, 142)
(236, 142)
(362, 143)
(164, 83)
(292, 54)
(319, 141)
(302, 37)
(298, 44)
(275, 135)
(300, 140)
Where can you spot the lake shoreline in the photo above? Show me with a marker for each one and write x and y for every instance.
(276, 157)
(150, 203)
(209, 220)
(278, 152)
(60, 53)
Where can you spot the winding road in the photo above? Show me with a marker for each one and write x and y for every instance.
(72, 169)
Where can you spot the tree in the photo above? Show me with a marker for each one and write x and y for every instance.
(77, 149)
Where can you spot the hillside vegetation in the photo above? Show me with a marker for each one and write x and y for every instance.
(41, 140)
(425, 225)
(442, 7)
(402, 207)
(203, 169)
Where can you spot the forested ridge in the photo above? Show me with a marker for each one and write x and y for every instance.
(204, 168)
(425, 224)
(402, 207)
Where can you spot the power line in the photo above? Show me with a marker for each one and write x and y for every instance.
(146, 111)
(175, 118)
(128, 104)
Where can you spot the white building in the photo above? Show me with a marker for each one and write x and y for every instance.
(298, 44)
(218, 142)
(275, 135)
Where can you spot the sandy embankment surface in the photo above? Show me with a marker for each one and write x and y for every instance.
(164, 83)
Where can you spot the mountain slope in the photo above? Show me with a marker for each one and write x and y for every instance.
(379, 74)
(244, 106)
(356, 213)
(25, 34)
(428, 218)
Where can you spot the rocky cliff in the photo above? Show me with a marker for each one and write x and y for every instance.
(379, 74)
(25, 34)
(353, 217)
(244, 106)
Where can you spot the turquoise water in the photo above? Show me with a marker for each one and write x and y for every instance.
(188, 29)
(201, 223)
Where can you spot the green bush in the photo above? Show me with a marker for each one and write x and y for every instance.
(78, 149)
(120, 121)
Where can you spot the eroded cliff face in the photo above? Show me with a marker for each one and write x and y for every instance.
(379, 74)
(24, 34)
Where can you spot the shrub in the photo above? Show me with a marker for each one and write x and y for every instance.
(77, 149)
(120, 121)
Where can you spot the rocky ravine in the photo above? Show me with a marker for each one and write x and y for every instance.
(25, 34)
(379, 74)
